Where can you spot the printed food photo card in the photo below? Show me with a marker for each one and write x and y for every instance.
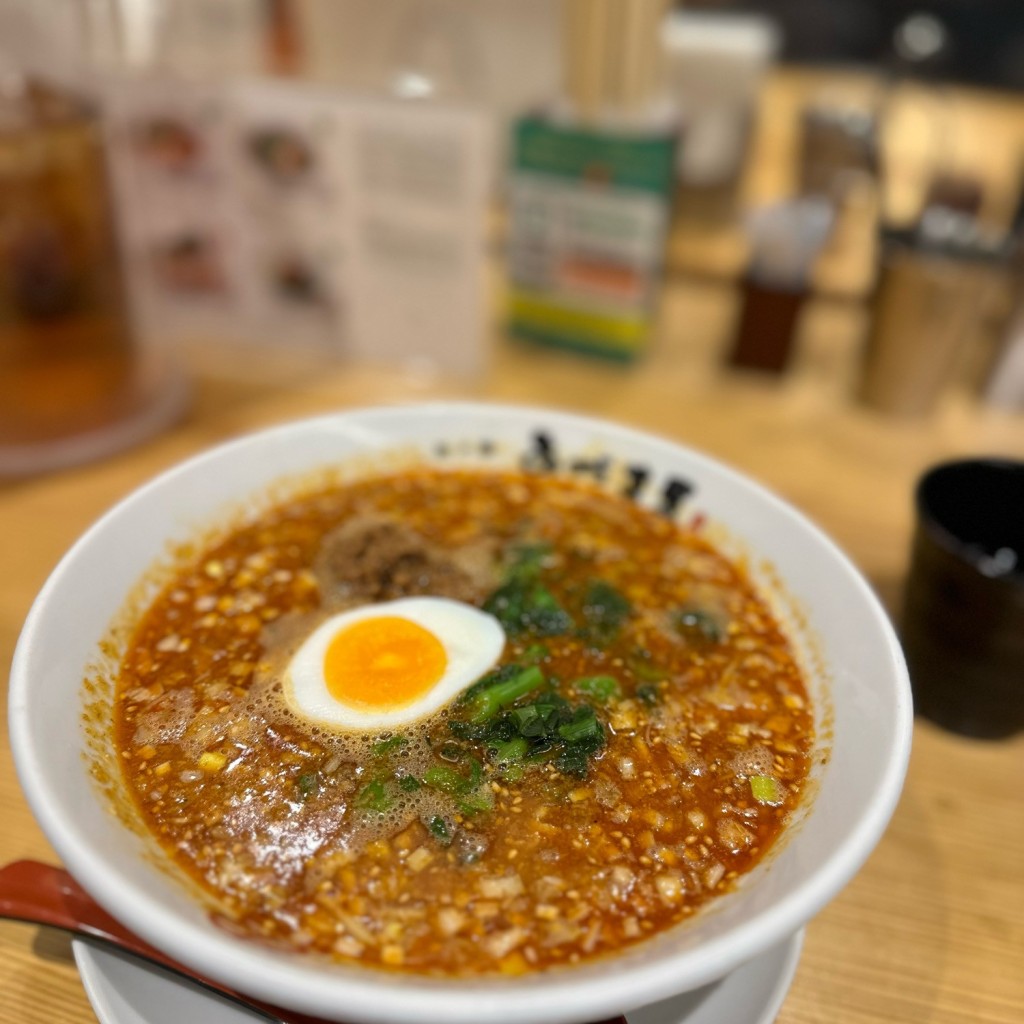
(292, 194)
(180, 224)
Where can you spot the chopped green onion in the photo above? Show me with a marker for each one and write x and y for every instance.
(648, 693)
(510, 751)
(388, 746)
(699, 625)
(766, 789)
(374, 797)
(539, 719)
(643, 668)
(471, 794)
(440, 830)
(307, 785)
(601, 688)
(480, 800)
(447, 780)
(584, 725)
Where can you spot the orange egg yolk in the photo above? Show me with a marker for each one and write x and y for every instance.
(383, 663)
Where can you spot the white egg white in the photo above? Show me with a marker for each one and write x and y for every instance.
(472, 640)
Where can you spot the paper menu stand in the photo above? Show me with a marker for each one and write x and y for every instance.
(171, 160)
(288, 143)
(589, 213)
(379, 204)
(282, 215)
(418, 178)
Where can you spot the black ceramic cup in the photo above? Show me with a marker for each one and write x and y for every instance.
(963, 620)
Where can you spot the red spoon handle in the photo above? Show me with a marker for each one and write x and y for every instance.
(42, 894)
(31, 891)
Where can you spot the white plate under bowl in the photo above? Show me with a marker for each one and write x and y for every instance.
(125, 990)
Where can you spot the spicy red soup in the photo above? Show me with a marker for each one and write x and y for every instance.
(584, 726)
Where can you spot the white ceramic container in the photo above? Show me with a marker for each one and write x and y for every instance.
(856, 669)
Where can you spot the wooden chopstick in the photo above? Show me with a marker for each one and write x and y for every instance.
(612, 54)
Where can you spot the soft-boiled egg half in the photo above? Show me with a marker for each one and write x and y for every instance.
(389, 664)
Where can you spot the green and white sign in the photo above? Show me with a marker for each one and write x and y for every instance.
(589, 213)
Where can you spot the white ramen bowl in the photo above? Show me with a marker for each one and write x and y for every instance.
(856, 675)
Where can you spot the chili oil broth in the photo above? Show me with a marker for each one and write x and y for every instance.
(570, 868)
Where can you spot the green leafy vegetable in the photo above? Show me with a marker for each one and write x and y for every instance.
(601, 688)
(526, 561)
(643, 667)
(574, 759)
(307, 785)
(440, 830)
(766, 789)
(499, 675)
(479, 800)
(510, 751)
(485, 703)
(582, 725)
(648, 694)
(533, 654)
(542, 718)
(390, 745)
(523, 606)
(470, 793)
(605, 609)
(552, 729)
(409, 784)
(374, 797)
(694, 624)
(452, 752)
(496, 730)
(519, 727)
(447, 780)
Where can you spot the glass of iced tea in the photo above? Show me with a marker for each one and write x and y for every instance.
(74, 384)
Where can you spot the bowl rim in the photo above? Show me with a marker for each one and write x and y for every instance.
(373, 996)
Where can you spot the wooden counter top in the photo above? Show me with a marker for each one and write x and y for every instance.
(931, 930)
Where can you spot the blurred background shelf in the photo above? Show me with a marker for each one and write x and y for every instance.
(982, 139)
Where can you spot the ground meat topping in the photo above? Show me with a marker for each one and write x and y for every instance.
(373, 558)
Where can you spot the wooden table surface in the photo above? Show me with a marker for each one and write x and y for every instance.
(932, 929)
